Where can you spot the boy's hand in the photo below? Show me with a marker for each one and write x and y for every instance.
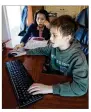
(37, 88)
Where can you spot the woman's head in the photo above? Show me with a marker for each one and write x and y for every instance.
(40, 17)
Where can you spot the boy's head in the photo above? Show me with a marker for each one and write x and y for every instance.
(40, 17)
(62, 30)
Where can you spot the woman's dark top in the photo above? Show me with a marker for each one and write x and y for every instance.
(34, 32)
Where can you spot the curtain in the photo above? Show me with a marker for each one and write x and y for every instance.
(5, 26)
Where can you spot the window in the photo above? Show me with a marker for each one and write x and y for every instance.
(14, 21)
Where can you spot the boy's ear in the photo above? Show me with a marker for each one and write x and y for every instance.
(68, 37)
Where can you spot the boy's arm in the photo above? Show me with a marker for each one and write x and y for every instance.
(79, 85)
(40, 51)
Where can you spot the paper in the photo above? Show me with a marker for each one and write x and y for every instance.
(32, 44)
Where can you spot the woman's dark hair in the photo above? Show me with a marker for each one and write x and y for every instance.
(42, 11)
(66, 24)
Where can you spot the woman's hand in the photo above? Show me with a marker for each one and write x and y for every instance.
(19, 46)
(37, 88)
(47, 24)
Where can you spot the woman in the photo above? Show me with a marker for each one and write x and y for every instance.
(37, 29)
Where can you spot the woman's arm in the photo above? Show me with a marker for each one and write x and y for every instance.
(28, 34)
(25, 38)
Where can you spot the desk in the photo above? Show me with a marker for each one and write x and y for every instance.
(34, 66)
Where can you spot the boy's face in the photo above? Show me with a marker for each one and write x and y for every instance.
(40, 19)
(57, 39)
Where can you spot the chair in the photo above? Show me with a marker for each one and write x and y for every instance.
(82, 31)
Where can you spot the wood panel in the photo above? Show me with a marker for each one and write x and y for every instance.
(61, 10)
(30, 15)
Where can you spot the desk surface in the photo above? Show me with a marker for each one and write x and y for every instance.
(34, 66)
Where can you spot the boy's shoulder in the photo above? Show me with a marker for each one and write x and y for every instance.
(77, 51)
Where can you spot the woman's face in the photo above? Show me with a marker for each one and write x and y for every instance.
(40, 19)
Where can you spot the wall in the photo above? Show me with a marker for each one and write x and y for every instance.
(60, 10)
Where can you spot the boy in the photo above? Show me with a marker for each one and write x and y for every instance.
(66, 57)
